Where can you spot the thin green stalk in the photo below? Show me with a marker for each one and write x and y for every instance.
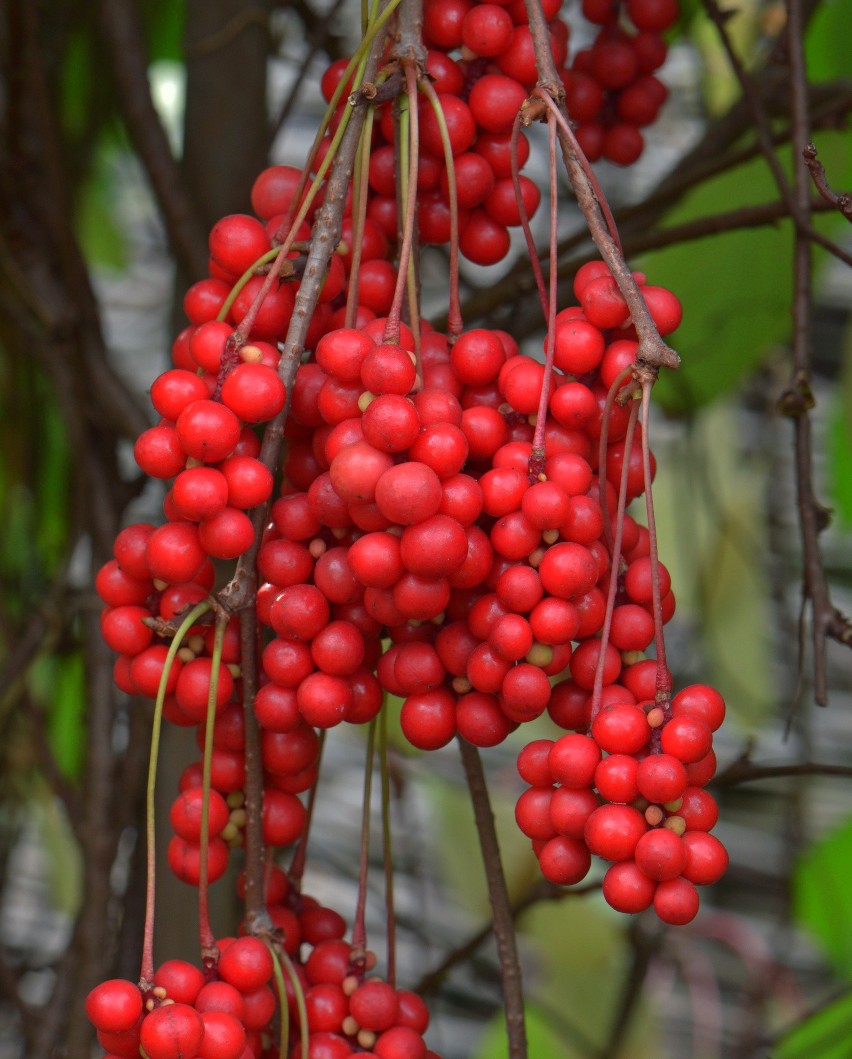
(360, 193)
(359, 929)
(454, 316)
(387, 846)
(209, 949)
(146, 974)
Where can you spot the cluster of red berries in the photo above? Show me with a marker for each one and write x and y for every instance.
(482, 65)
(632, 792)
(226, 1011)
(438, 531)
(411, 517)
(611, 90)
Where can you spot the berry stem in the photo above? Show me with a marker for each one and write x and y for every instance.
(664, 677)
(387, 846)
(357, 67)
(498, 895)
(454, 315)
(603, 443)
(537, 456)
(653, 351)
(615, 562)
(359, 927)
(209, 949)
(535, 263)
(257, 917)
(238, 594)
(408, 177)
(146, 973)
(300, 854)
(283, 1006)
(360, 194)
(568, 132)
(301, 1007)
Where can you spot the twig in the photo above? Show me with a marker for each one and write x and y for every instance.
(798, 400)
(842, 201)
(644, 946)
(503, 924)
(257, 916)
(652, 351)
(744, 771)
(712, 156)
(318, 33)
(237, 595)
(124, 38)
(543, 891)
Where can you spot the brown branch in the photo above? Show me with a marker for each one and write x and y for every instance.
(745, 771)
(503, 923)
(841, 202)
(542, 891)
(717, 152)
(10, 988)
(318, 35)
(125, 45)
(644, 946)
(238, 594)
(760, 121)
(812, 516)
(257, 916)
(653, 351)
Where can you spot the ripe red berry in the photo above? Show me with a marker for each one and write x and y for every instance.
(661, 778)
(374, 1005)
(627, 888)
(114, 1006)
(676, 901)
(564, 861)
(661, 854)
(208, 430)
(246, 964)
(224, 1036)
(621, 728)
(172, 1032)
(706, 858)
(253, 392)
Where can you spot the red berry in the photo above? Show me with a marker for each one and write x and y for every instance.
(661, 854)
(246, 964)
(612, 831)
(628, 889)
(706, 858)
(374, 1005)
(172, 1032)
(564, 861)
(676, 901)
(661, 778)
(114, 1006)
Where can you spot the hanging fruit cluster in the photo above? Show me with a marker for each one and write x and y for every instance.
(446, 525)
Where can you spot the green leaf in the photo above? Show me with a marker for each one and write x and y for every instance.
(545, 1038)
(164, 28)
(825, 1034)
(839, 442)
(461, 862)
(711, 529)
(827, 40)
(578, 954)
(822, 897)
(64, 863)
(734, 288)
(57, 683)
(101, 238)
(66, 731)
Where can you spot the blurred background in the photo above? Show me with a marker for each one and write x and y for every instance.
(128, 129)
